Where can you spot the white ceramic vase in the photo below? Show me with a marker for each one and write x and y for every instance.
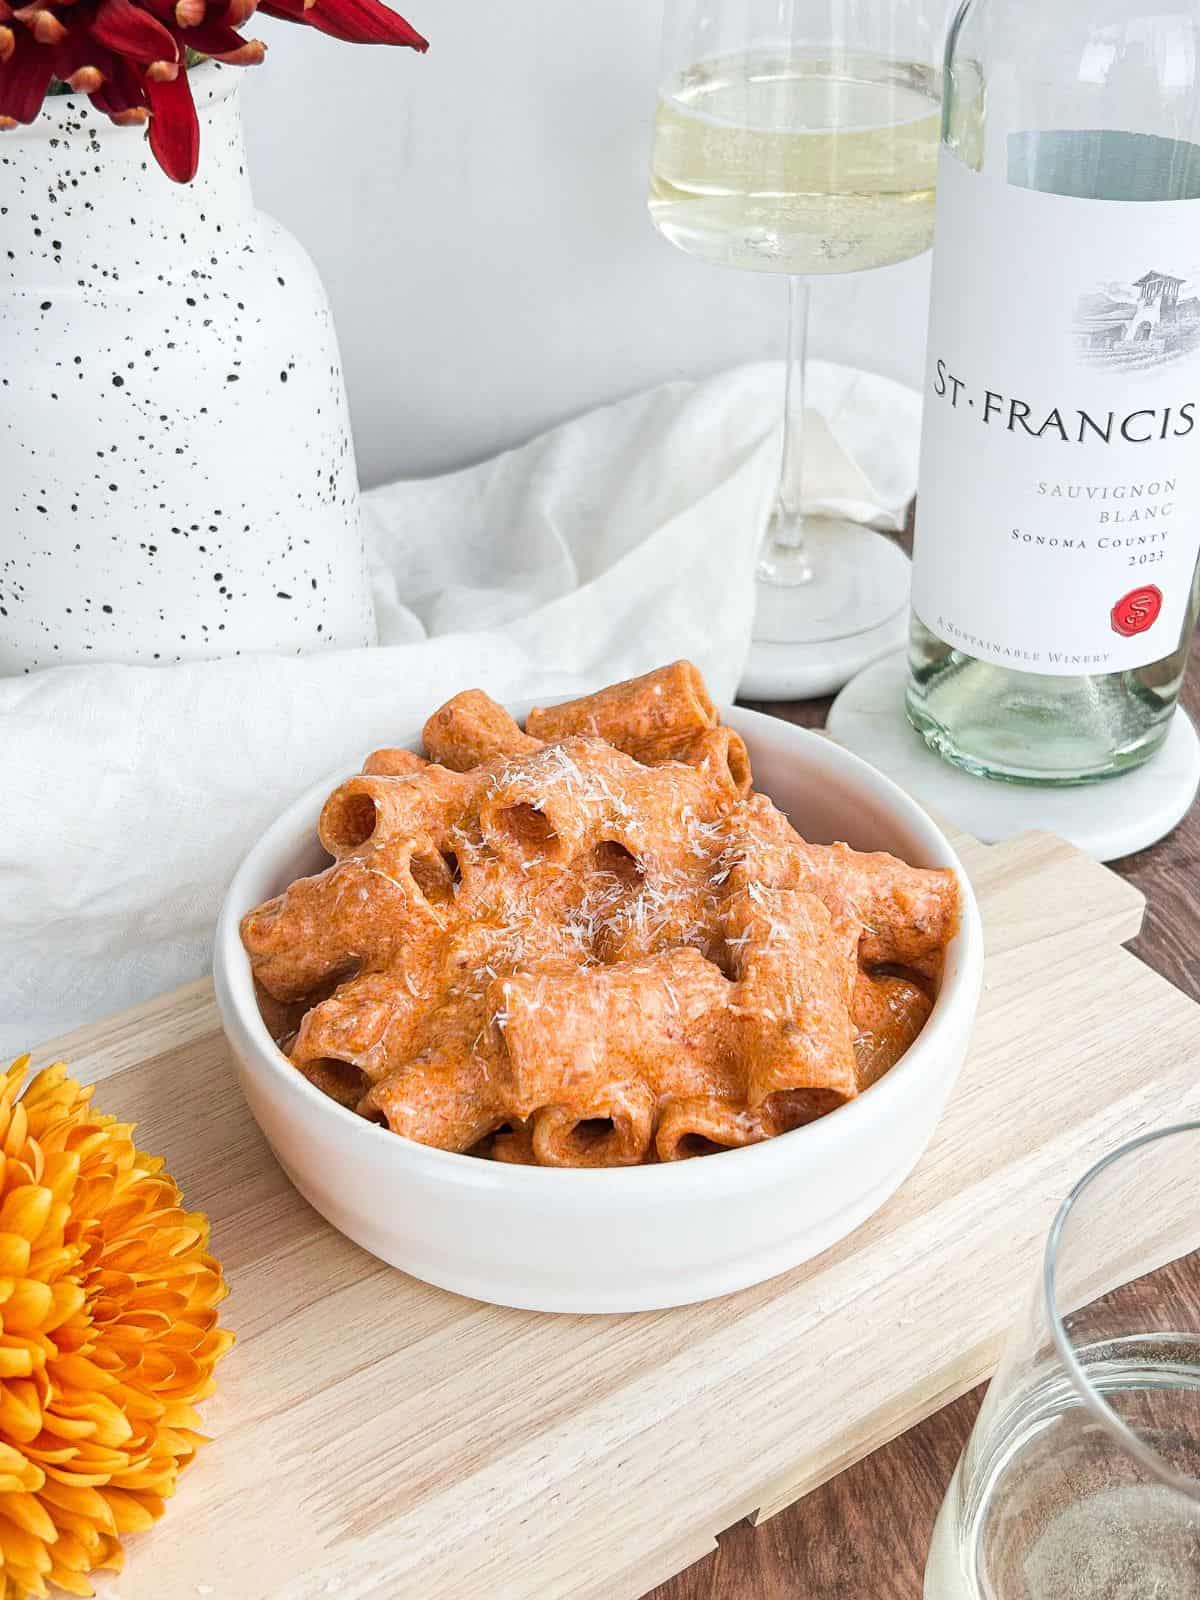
(177, 477)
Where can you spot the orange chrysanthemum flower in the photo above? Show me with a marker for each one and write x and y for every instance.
(108, 1334)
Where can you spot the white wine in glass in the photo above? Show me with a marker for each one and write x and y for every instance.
(802, 138)
(799, 163)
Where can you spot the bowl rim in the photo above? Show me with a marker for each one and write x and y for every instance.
(753, 1164)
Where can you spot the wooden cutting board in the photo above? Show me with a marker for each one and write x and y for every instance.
(376, 1437)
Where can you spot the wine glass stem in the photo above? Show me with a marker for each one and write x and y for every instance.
(785, 559)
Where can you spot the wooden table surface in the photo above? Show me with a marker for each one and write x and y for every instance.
(865, 1534)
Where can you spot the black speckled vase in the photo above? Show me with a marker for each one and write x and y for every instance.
(177, 476)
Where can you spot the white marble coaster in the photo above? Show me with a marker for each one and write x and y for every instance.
(802, 671)
(1108, 819)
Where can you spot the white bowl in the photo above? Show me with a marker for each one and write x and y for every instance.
(636, 1238)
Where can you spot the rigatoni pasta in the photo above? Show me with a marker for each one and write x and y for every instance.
(372, 809)
(567, 1035)
(888, 1012)
(720, 752)
(391, 763)
(615, 1128)
(324, 927)
(588, 942)
(795, 969)
(637, 714)
(470, 730)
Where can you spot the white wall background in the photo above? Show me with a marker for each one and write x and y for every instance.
(478, 215)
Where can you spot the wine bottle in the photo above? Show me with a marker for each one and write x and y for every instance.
(1058, 515)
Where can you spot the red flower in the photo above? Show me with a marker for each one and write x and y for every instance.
(129, 56)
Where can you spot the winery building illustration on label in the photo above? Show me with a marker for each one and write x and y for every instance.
(1140, 324)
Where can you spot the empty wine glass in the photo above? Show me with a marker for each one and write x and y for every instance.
(800, 137)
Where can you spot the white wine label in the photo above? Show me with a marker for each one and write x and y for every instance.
(1058, 519)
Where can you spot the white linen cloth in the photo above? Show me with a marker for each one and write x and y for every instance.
(618, 541)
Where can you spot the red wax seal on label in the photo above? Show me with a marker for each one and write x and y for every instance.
(1137, 610)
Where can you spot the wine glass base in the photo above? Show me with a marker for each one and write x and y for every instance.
(859, 581)
(801, 671)
(1105, 820)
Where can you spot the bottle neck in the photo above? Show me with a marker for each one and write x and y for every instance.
(1112, 111)
(85, 207)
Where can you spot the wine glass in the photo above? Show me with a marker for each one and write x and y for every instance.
(801, 137)
(1081, 1479)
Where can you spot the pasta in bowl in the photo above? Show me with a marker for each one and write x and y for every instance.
(588, 943)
